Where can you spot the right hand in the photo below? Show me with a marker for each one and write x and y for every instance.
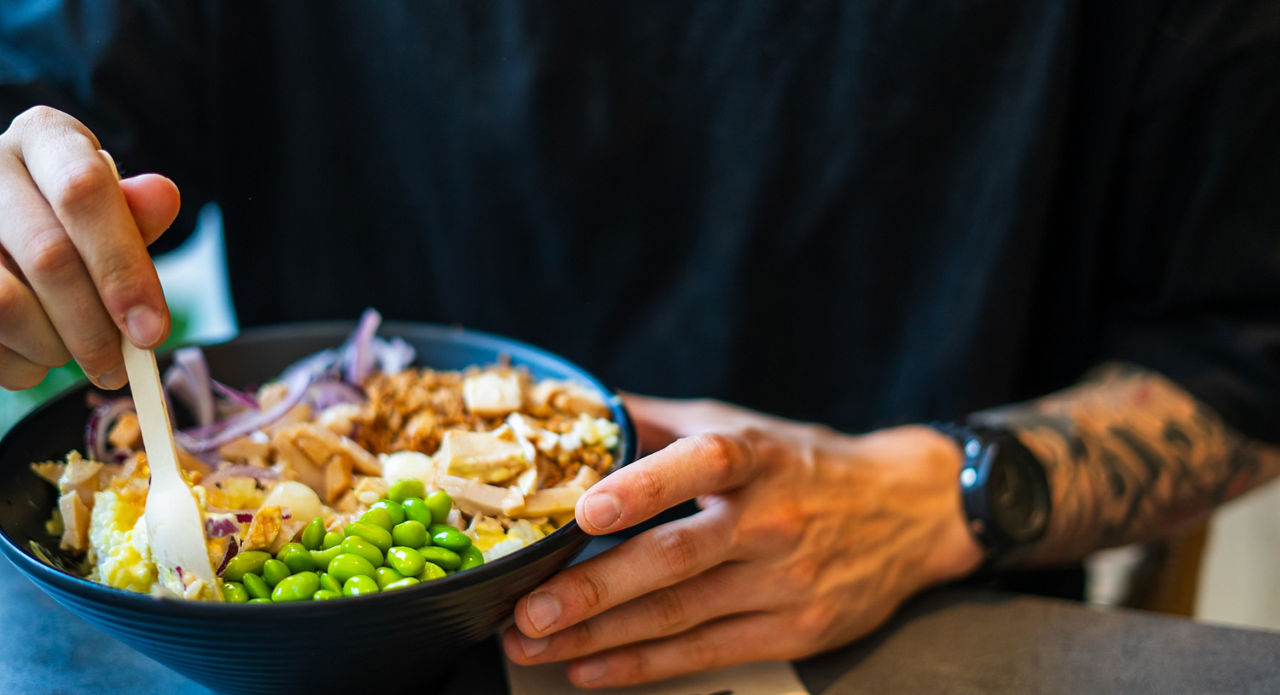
(74, 268)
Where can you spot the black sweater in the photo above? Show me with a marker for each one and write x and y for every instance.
(857, 213)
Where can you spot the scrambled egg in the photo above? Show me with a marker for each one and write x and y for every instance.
(493, 541)
(118, 542)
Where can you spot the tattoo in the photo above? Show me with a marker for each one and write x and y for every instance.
(1131, 457)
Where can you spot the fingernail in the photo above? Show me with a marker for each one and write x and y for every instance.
(590, 670)
(532, 647)
(542, 610)
(602, 510)
(113, 379)
(144, 325)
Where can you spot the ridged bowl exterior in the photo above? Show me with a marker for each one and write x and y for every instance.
(401, 638)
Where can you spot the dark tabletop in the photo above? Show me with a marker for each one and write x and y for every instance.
(955, 640)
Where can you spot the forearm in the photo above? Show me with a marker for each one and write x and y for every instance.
(1130, 457)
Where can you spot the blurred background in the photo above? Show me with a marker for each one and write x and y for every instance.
(1224, 571)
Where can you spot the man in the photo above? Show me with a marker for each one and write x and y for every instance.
(866, 216)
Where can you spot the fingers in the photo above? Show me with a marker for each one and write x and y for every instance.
(154, 201)
(24, 328)
(17, 372)
(90, 206)
(659, 557)
(733, 640)
(727, 589)
(697, 465)
(46, 257)
(70, 239)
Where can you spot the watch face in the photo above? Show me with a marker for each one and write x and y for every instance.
(1017, 497)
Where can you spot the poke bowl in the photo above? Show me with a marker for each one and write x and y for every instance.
(306, 645)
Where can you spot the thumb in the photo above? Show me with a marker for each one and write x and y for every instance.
(154, 201)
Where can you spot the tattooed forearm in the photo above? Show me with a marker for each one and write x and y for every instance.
(1130, 457)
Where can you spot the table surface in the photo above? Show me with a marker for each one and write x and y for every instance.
(955, 640)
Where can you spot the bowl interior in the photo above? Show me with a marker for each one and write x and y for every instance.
(464, 607)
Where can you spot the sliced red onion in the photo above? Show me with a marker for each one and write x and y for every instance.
(221, 525)
(188, 380)
(99, 426)
(235, 396)
(324, 394)
(240, 470)
(358, 358)
(252, 420)
(232, 549)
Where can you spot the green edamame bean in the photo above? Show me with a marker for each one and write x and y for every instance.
(328, 582)
(440, 503)
(451, 538)
(348, 565)
(233, 592)
(404, 489)
(385, 576)
(378, 516)
(471, 557)
(433, 529)
(331, 539)
(406, 561)
(410, 533)
(392, 508)
(430, 570)
(323, 557)
(402, 584)
(242, 563)
(417, 510)
(325, 595)
(313, 534)
(441, 556)
(359, 584)
(297, 557)
(273, 571)
(373, 533)
(298, 587)
(259, 600)
(256, 586)
(363, 548)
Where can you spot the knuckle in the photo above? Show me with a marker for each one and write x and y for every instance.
(98, 352)
(813, 624)
(591, 591)
(800, 574)
(651, 486)
(704, 654)
(677, 550)
(36, 117)
(718, 453)
(669, 610)
(51, 256)
(83, 187)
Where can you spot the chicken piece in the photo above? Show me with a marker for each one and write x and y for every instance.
(476, 498)
(75, 522)
(51, 471)
(484, 456)
(249, 450)
(126, 433)
(337, 478)
(263, 529)
(566, 396)
(81, 477)
(370, 489)
(340, 419)
(551, 501)
(491, 394)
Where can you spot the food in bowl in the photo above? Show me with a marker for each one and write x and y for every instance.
(351, 473)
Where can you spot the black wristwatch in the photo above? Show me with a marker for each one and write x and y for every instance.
(1003, 489)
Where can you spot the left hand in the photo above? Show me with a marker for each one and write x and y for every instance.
(806, 539)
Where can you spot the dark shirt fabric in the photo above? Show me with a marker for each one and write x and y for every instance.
(858, 213)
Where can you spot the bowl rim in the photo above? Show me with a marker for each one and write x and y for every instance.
(569, 533)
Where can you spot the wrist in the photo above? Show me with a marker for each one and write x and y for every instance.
(954, 553)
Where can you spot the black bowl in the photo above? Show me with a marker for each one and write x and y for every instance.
(398, 638)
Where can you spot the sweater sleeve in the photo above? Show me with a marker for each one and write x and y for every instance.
(1193, 282)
